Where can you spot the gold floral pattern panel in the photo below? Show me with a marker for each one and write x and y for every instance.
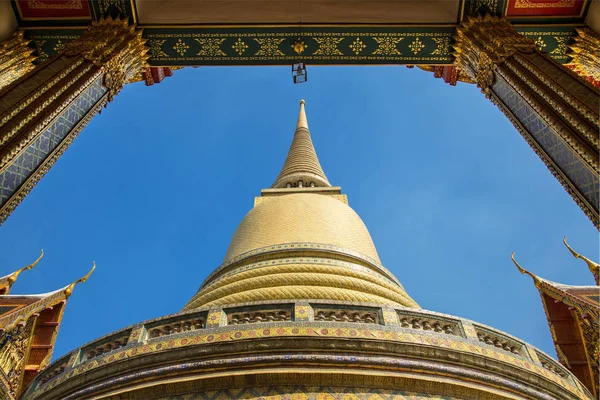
(284, 45)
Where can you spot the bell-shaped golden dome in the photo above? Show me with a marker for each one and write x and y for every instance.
(302, 218)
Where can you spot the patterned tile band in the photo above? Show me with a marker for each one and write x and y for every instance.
(569, 163)
(303, 327)
(316, 45)
(321, 359)
(13, 177)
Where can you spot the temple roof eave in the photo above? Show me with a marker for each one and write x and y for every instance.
(559, 291)
(7, 281)
(44, 301)
(578, 308)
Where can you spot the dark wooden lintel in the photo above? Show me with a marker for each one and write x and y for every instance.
(567, 342)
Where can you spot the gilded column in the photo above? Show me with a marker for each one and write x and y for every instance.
(554, 109)
(16, 59)
(42, 112)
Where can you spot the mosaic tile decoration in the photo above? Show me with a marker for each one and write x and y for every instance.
(585, 180)
(36, 152)
(339, 360)
(229, 334)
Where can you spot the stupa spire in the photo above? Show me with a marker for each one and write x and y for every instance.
(301, 167)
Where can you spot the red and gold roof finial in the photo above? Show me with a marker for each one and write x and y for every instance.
(594, 267)
(7, 281)
(69, 289)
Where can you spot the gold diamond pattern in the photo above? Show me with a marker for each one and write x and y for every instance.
(357, 46)
(240, 46)
(181, 47)
(416, 46)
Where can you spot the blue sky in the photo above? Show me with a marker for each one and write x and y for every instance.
(154, 187)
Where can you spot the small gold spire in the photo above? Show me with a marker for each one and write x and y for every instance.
(594, 267)
(12, 278)
(536, 279)
(69, 290)
(301, 167)
(302, 121)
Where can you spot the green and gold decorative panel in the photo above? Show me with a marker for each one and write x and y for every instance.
(331, 45)
(48, 42)
(40, 151)
(551, 40)
(285, 45)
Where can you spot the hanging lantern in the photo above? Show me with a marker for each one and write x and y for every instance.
(299, 73)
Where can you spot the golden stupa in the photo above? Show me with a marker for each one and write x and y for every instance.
(302, 308)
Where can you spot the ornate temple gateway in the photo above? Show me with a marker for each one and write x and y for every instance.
(61, 61)
(302, 308)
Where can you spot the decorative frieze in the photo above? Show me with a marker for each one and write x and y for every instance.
(104, 346)
(56, 369)
(499, 341)
(358, 315)
(552, 365)
(429, 323)
(253, 315)
(414, 331)
(180, 325)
